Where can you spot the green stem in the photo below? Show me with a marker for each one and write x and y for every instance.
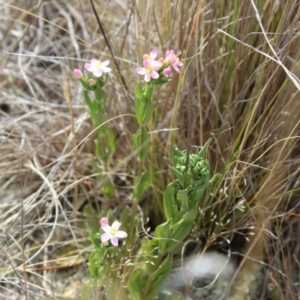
(135, 201)
(148, 91)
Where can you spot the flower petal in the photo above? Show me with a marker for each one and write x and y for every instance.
(176, 68)
(88, 66)
(153, 53)
(114, 240)
(105, 63)
(98, 73)
(106, 69)
(147, 77)
(154, 75)
(169, 53)
(141, 71)
(105, 237)
(116, 225)
(156, 65)
(121, 234)
(106, 228)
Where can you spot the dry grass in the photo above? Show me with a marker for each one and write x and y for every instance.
(239, 86)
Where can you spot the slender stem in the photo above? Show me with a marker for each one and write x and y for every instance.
(95, 289)
(148, 91)
(135, 201)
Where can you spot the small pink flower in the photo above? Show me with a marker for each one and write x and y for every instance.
(151, 66)
(112, 232)
(97, 67)
(172, 60)
(77, 73)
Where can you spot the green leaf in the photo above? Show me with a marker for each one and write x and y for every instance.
(160, 276)
(102, 80)
(190, 216)
(183, 198)
(93, 269)
(143, 110)
(162, 234)
(176, 153)
(180, 177)
(87, 100)
(169, 202)
(141, 142)
(97, 267)
(202, 152)
(98, 149)
(141, 184)
(111, 140)
(164, 268)
(148, 112)
(139, 91)
(135, 284)
(108, 188)
(159, 81)
(125, 219)
(101, 96)
(179, 232)
(139, 110)
(94, 239)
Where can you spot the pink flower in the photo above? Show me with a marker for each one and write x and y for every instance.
(97, 67)
(151, 66)
(77, 73)
(172, 60)
(150, 70)
(112, 232)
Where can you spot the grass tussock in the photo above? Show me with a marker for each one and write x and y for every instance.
(239, 85)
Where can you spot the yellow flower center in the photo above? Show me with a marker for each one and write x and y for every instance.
(113, 231)
(150, 69)
(98, 64)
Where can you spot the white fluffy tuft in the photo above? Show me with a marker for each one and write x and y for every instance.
(204, 265)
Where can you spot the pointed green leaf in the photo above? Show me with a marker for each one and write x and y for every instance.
(139, 91)
(202, 152)
(111, 140)
(170, 204)
(141, 142)
(143, 110)
(142, 184)
(135, 284)
(162, 233)
(160, 276)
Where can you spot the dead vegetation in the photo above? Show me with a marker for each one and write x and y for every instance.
(240, 86)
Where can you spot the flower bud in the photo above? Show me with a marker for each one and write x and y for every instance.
(77, 73)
